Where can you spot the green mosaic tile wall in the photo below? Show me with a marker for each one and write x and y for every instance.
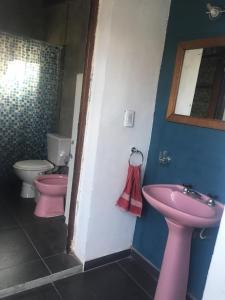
(29, 88)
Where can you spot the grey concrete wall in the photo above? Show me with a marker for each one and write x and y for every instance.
(22, 17)
(75, 42)
(56, 23)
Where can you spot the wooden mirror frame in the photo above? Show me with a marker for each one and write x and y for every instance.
(170, 115)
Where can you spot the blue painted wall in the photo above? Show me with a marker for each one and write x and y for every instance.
(198, 154)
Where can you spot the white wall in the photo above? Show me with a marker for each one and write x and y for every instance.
(215, 284)
(127, 58)
(78, 91)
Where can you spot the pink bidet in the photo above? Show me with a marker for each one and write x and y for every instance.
(52, 190)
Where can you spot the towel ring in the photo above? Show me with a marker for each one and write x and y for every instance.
(136, 151)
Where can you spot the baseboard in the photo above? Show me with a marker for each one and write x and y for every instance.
(98, 262)
(145, 264)
(150, 268)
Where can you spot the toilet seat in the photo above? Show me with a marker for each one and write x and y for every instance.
(34, 165)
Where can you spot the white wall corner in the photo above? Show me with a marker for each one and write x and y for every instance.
(92, 129)
(215, 284)
(127, 58)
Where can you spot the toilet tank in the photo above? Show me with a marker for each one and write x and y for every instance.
(58, 149)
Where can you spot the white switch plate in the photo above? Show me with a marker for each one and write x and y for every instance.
(129, 118)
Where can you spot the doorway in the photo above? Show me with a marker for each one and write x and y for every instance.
(50, 42)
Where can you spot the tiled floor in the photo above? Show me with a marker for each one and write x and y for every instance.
(30, 247)
(123, 280)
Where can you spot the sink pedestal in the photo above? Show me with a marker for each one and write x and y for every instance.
(173, 279)
(183, 213)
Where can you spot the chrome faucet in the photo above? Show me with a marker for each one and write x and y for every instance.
(190, 192)
(211, 202)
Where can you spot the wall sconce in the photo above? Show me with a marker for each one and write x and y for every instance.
(214, 12)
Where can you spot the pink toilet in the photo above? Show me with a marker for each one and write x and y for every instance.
(52, 191)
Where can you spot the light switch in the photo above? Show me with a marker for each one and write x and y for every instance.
(128, 118)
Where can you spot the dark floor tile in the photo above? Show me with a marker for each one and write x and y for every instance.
(143, 278)
(9, 193)
(48, 236)
(7, 221)
(108, 282)
(23, 210)
(15, 248)
(145, 264)
(6, 218)
(42, 293)
(22, 273)
(61, 262)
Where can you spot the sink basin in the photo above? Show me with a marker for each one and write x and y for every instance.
(171, 202)
(182, 212)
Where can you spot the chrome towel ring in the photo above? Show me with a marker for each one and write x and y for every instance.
(135, 151)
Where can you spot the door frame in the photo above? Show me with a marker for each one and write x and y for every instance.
(89, 51)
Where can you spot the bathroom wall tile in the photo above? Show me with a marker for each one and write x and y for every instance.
(29, 85)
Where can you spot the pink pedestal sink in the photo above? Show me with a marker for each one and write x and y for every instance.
(182, 213)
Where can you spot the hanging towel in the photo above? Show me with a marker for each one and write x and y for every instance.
(131, 198)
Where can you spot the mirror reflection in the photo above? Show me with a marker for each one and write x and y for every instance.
(201, 90)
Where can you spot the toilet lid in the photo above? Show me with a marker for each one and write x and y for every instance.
(34, 165)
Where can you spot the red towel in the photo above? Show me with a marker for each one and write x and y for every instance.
(131, 198)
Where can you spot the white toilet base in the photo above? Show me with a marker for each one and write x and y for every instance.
(28, 191)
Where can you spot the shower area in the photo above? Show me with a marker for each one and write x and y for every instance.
(29, 99)
(42, 49)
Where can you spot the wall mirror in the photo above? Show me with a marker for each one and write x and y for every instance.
(197, 94)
